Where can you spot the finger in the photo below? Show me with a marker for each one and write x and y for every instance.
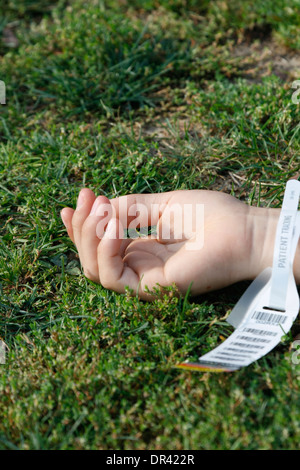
(85, 202)
(91, 233)
(66, 216)
(140, 210)
(113, 273)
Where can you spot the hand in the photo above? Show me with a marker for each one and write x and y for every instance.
(176, 255)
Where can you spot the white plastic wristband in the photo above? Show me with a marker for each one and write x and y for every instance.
(283, 255)
(268, 308)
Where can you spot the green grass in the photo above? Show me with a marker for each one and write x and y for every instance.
(136, 97)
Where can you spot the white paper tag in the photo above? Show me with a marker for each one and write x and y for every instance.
(283, 257)
(269, 306)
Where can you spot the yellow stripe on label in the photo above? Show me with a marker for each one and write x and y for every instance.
(201, 367)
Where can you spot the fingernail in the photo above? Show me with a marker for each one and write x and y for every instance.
(80, 200)
(110, 231)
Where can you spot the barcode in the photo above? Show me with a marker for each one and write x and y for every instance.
(232, 359)
(239, 350)
(270, 318)
(253, 346)
(255, 331)
(253, 338)
(218, 364)
(233, 354)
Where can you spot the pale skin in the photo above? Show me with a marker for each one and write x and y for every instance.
(238, 242)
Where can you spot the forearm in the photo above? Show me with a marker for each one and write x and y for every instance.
(264, 225)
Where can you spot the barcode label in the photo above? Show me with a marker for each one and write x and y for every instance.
(233, 354)
(253, 338)
(255, 331)
(269, 318)
(243, 351)
(251, 341)
(246, 345)
(232, 359)
(222, 365)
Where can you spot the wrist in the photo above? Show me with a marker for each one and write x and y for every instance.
(264, 224)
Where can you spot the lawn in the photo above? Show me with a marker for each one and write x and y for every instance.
(137, 96)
